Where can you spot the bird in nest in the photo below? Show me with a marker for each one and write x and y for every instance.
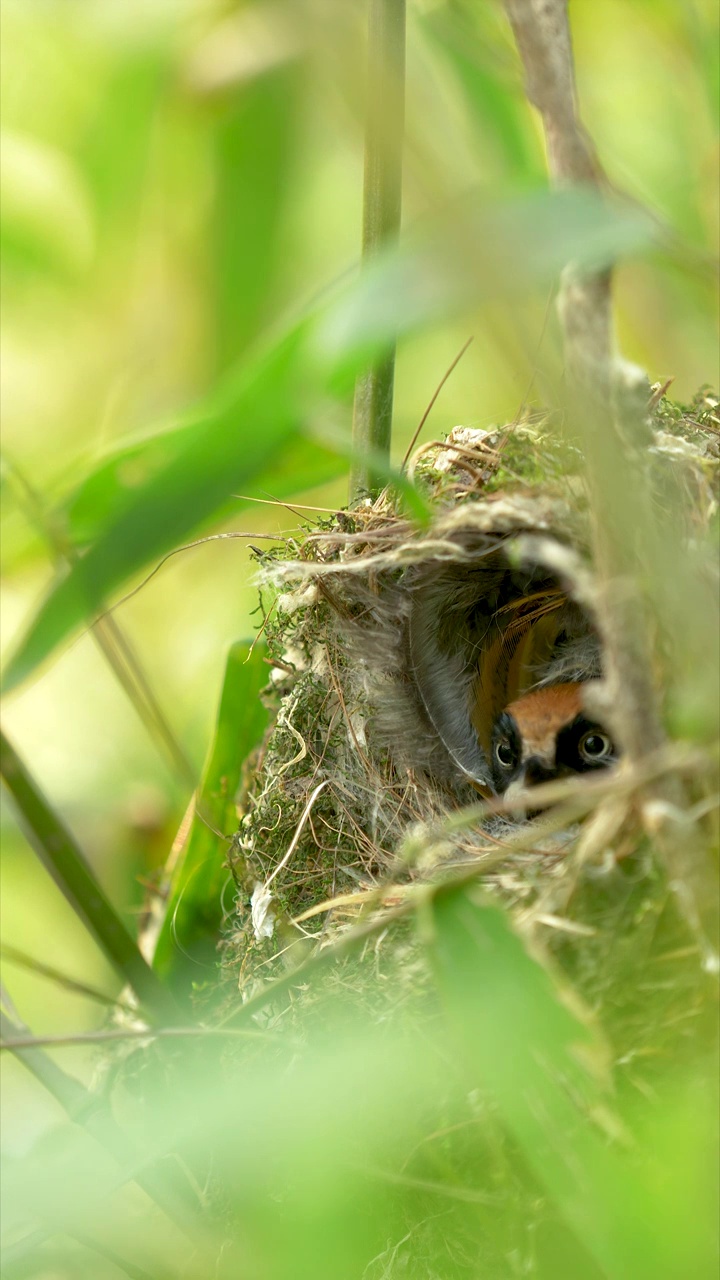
(532, 726)
(501, 660)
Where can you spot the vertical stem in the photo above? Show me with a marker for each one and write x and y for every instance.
(382, 196)
(603, 400)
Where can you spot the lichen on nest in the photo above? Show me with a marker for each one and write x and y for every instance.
(358, 799)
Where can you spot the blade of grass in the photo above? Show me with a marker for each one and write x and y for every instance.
(382, 200)
(188, 935)
(61, 855)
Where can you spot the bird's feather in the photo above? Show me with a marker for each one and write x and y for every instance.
(525, 636)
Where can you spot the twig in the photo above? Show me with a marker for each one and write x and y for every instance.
(62, 979)
(16, 1042)
(433, 398)
(542, 33)
(608, 400)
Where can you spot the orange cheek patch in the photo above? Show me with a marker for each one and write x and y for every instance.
(541, 715)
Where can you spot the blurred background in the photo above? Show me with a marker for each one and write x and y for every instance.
(145, 150)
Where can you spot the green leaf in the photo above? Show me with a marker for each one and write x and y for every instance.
(479, 251)
(253, 141)
(112, 485)
(188, 935)
(472, 42)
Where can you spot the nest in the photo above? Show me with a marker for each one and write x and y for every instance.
(374, 775)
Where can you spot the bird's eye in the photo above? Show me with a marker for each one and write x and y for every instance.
(505, 754)
(595, 747)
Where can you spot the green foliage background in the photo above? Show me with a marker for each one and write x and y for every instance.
(182, 324)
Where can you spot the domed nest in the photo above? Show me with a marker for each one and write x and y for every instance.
(397, 641)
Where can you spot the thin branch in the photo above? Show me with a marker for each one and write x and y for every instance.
(43, 970)
(542, 33)
(608, 404)
(19, 1041)
(382, 196)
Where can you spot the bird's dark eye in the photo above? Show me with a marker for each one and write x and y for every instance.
(595, 747)
(504, 754)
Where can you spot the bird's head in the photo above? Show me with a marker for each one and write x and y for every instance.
(546, 735)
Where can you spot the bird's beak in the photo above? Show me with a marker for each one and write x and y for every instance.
(518, 795)
(517, 798)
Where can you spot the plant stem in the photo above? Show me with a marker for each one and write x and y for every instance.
(62, 857)
(608, 401)
(382, 198)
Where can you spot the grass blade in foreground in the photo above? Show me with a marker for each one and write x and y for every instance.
(189, 931)
(62, 857)
(519, 1041)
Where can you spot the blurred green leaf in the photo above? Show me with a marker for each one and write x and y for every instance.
(227, 447)
(187, 940)
(473, 255)
(478, 251)
(524, 1045)
(468, 39)
(253, 143)
(115, 149)
(109, 488)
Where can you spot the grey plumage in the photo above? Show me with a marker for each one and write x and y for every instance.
(417, 636)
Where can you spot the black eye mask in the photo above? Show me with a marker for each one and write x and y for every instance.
(582, 746)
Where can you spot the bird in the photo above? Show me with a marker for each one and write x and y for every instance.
(464, 655)
(529, 716)
(544, 735)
